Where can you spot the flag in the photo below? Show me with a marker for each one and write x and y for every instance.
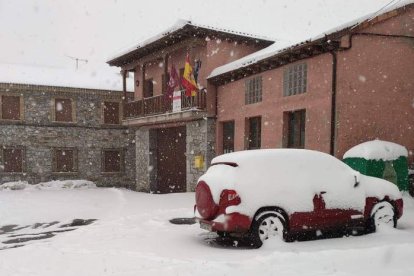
(172, 82)
(188, 81)
(197, 67)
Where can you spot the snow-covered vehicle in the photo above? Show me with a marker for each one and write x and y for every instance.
(291, 192)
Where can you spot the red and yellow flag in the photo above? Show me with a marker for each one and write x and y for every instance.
(188, 80)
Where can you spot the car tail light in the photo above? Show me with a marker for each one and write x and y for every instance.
(205, 204)
(229, 197)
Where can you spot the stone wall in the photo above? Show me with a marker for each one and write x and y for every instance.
(200, 141)
(142, 159)
(38, 135)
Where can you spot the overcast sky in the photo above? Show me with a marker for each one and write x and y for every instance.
(42, 32)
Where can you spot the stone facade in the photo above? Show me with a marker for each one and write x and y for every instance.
(38, 134)
(200, 141)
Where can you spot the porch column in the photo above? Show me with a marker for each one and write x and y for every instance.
(166, 56)
(143, 80)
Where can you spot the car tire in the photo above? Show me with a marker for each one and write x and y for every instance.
(382, 216)
(267, 225)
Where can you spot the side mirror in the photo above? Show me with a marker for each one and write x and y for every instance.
(356, 183)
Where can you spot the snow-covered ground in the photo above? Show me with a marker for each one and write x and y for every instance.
(133, 236)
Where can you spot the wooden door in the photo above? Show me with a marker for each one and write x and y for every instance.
(171, 160)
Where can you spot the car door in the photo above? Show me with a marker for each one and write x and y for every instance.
(334, 217)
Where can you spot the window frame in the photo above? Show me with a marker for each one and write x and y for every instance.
(103, 112)
(73, 112)
(2, 159)
(295, 79)
(21, 107)
(121, 161)
(223, 124)
(74, 160)
(145, 94)
(253, 90)
(291, 133)
(249, 141)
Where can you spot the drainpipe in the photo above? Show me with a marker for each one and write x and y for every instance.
(333, 102)
(334, 79)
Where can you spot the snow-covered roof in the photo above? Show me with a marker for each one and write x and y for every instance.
(180, 24)
(102, 78)
(280, 47)
(377, 150)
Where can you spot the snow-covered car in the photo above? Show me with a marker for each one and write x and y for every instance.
(291, 193)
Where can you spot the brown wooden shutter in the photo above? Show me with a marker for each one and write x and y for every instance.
(111, 113)
(13, 160)
(112, 161)
(65, 160)
(10, 108)
(63, 110)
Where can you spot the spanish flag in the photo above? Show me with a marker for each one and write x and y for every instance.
(188, 80)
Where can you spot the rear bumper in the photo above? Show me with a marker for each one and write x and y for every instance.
(230, 223)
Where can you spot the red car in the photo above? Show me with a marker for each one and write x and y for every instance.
(258, 194)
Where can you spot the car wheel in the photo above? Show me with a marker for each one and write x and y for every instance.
(271, 225)
(383, 216)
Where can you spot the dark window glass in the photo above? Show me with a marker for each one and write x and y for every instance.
(148, 88)
(63, 110)
(253, 90)
(228, 137)
(13, 160)
(111, 113)
(65, 160)
(10, 107)
(295, 79)
(112, 160)
(296, 129)
(254, 132)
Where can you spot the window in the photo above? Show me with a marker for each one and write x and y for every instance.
(111, 113)
(253, 90)
(295, 79)
(228, 137)
(112, 160)
(148, 88)
(296, 129)
(65, 160)
(12, 159)
(11, 107)
(254, 126)
(63, 110)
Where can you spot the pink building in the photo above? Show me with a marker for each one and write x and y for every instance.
(346, 86)
(175, 145)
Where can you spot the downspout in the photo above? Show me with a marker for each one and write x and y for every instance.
(334, 79)
(333, 102)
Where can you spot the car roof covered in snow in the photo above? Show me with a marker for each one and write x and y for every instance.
(280, 48)
(181, 30)
(377, 150)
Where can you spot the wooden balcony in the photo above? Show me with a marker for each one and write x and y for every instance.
(162, 105)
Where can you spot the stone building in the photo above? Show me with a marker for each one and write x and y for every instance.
(51, 132)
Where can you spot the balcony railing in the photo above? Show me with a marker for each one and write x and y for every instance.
(163, 104)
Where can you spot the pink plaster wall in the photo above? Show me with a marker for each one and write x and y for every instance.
(376, 86)
(316, 101)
